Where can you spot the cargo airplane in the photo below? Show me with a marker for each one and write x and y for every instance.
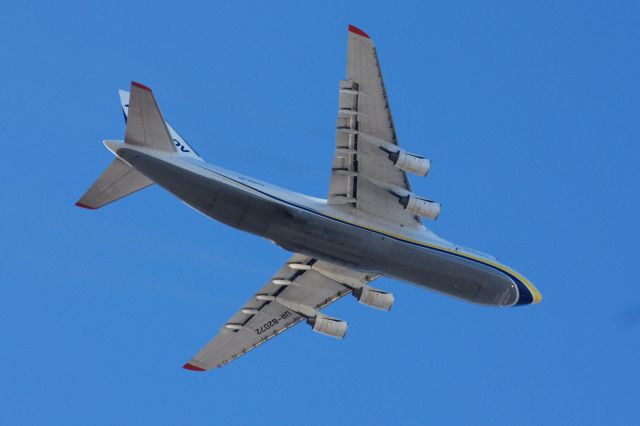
(370, 225)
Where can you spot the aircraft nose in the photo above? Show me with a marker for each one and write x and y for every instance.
(528, 294)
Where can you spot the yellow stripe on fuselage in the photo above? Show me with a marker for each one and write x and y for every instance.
(537, 296)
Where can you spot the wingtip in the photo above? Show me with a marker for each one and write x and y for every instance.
(356, 30)
(84, 206)
(192, 367)
(141, 86)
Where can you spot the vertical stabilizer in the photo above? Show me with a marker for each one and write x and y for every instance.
(145, 128)
(182, 147)
(145, 124)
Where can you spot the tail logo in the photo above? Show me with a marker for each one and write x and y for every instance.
(179, 145)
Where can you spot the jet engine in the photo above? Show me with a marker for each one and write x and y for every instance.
(374, 298)
(420, 206)
(328, 326)
(410, 162)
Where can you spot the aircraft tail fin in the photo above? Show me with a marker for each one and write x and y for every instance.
(145, 127)
(117, 181)
(182, 147)
(145, 124)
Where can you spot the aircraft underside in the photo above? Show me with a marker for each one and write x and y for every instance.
(370, 224)
(302, 231)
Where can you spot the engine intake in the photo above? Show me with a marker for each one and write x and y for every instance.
(420, 206)
(328, 326)
(410, 162)
(374, 298)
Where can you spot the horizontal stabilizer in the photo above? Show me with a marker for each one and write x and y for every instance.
(117, 181)
(182, 147)
(145, 124)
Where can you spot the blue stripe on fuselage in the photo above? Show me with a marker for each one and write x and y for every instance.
(525, 295)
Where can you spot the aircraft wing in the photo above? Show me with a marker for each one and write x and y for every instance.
(363, 176)
(300, 287)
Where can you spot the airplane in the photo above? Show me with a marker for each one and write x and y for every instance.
(370, 225)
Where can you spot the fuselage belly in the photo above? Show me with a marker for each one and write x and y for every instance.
(301, 229)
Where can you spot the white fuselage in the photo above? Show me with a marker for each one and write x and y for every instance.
(311, 226)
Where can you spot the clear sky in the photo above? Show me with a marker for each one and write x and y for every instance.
(530, 112)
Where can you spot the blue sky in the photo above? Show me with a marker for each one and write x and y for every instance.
(528, 110)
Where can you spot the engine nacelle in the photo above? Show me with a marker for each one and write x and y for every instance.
(420, 206)
(328, 326)
(410, 162)
(374, 298)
